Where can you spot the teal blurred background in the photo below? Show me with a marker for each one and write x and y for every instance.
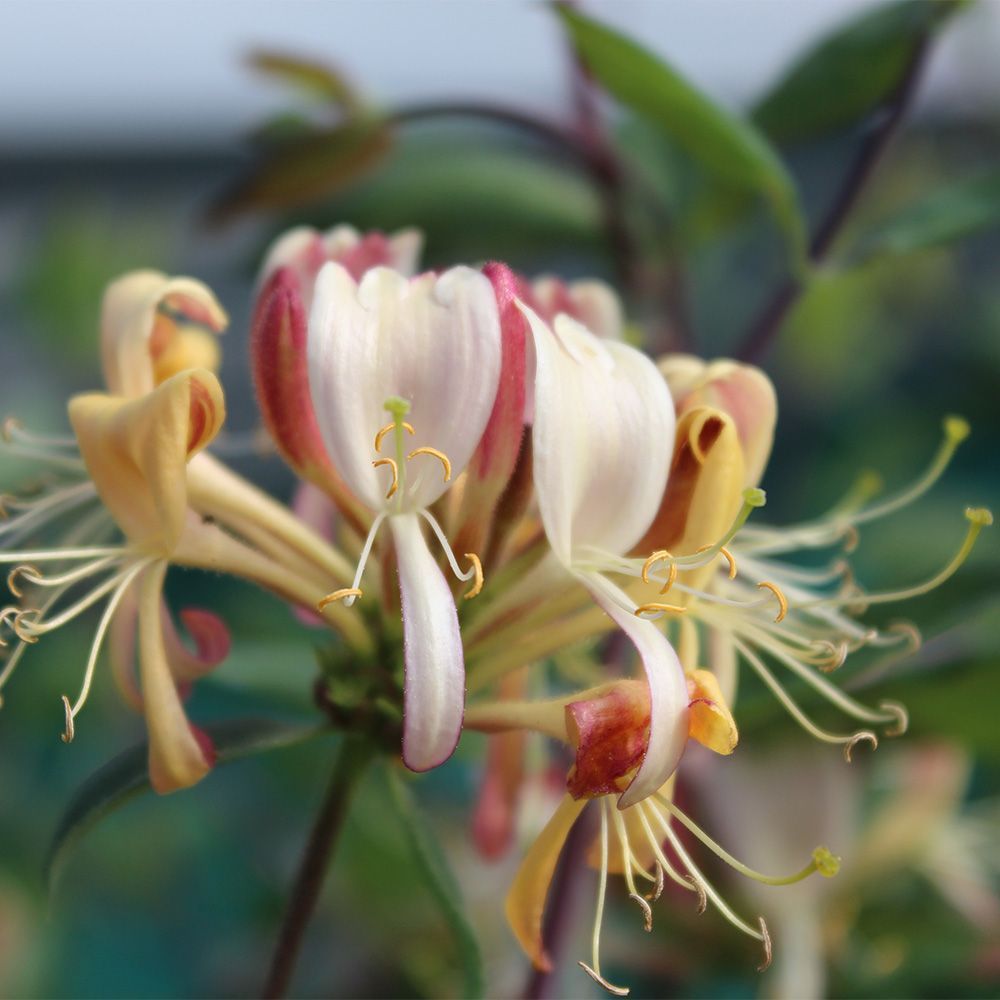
(99, 174)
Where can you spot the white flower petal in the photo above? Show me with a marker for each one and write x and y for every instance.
(668, 693)
(603, 435)
(434, 695)
(433, 341)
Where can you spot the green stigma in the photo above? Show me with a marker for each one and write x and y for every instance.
(827, 863)
(397, 407)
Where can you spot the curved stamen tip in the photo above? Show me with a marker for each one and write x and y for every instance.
(348, 595)
(754, 496)
(864, 734)
(697, 887)
(477, 568)
(647, 910)
(902, 717)
(765, 937)
(23, 621)
(391, 462)
(618, 991)
(658, 887)
(725, 553)
(67, 736)
(909, 632)
(434, 453)
(9, 426)
(779, 595)
(980, 516)
(956, 428)
(657, 607)
(382, 431)
(651, 561)
(827, 863)
(25, 570)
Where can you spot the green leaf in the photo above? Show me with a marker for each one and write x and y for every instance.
(430, 861)
(727, 146)
(126, 776)
(851, 71)
(304, 169)
(948, 214)
(313, 77)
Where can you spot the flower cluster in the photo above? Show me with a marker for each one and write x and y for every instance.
(533, 482)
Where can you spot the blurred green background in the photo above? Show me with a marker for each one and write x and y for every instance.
(900, 325)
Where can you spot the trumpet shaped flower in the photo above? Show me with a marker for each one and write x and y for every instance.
(403, 377)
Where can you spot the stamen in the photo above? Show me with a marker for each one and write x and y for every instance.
(618, 991)
(380, 435)
(765, 938)
(391, 462)
(837, 654)
(671, 578)
(782, 600)
(902, 716)
(652, 560)
(657, 608)
(658, 888)
(723, 551)
(864, 734)
(339, 595)
(70, 731)
(28, 571)
(702, 895)
(434, 453)
(647, 910)
(664, 867)
(50, 555)
(477, 568)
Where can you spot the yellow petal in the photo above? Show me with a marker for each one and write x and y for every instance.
(177, 759)
(153, 326)
(136, 452)
(526, 899)
(711, 722)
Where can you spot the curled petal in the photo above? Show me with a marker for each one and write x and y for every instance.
(610, 733)
(211, 640)
(137, 450)
(434, 692)
(592, 303)
(179, 755)
(525, 905)
(668, 695)
(153, 326)
(433, 341)
(712, 723)
(603, 432)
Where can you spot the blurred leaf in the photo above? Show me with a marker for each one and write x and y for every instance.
(948, 214)
(430, 861)
(727, 145)
(313, 77)
(852, 71)
(308, 168)
(126, 776)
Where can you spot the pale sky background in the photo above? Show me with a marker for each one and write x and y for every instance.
(121, 73)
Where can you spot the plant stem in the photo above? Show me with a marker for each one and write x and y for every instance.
(887, 119)
(352, 758)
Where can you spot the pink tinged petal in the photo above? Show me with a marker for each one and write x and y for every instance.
(121, 647)
(602, 438)
(668, 693)
(492, 465)
(610, 733)
(591, 302)
(281, 378)
(179, 756)
(434, 690)
(433, 341)
(138, 337)
(211, 640)
(313, 507)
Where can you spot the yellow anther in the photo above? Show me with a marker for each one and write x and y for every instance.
(729, 557)
(478, 581)
(439, 455)
(864, 734)
(647, 910)
(338, 595)
(618, 991)
(765, 938)
(391, 462)
(655, 607)
(67, 736)
(827, 863)
(671, 578)
(380, 436)
(653, 559)
(778, 593)
(25, 570)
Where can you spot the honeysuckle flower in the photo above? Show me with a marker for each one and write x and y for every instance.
(426, 354)
(602, 435)
(608, 730)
